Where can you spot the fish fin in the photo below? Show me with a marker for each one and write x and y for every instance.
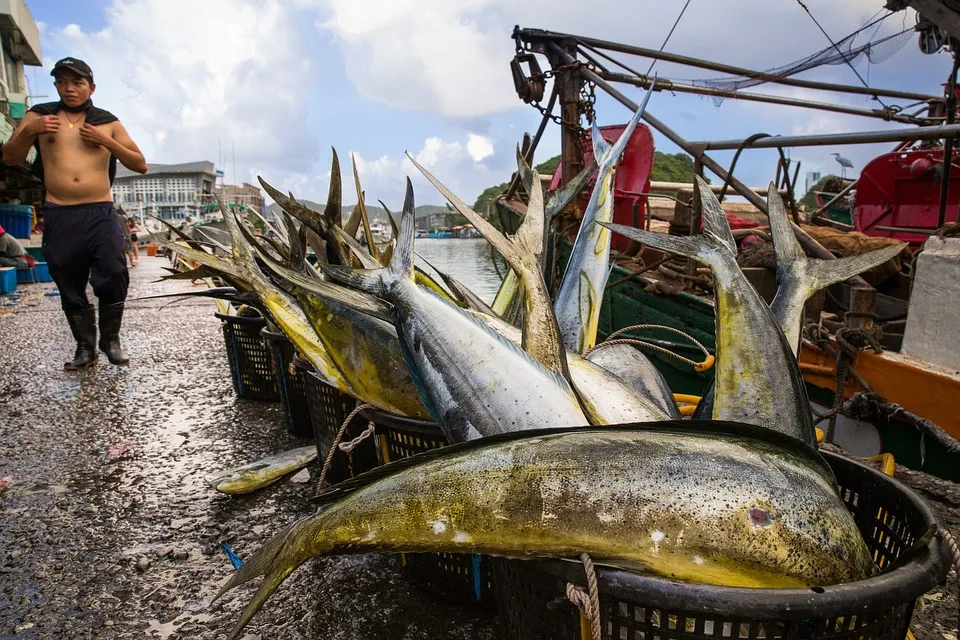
(275, 560)
(394, 229)
(564, 195)
(332, 213)
(357, 300)
(801, 276)
(365, 259)
(353, 222)
(222, 264)
(401, 264)
(608, 154)
(364, 217)
(716, 233)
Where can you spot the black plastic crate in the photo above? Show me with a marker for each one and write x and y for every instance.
(292, 386)
(250, 367)
(463, 578)
(532, 603)
(328, 408)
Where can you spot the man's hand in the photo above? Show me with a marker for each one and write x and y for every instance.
(94, 136)
(46, 124)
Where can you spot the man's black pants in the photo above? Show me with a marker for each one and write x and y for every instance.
(81, 243)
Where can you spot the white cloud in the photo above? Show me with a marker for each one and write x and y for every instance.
(384, 178)
(479, 147)
(450, 56)
(188, 76)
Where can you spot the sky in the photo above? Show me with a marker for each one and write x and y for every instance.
(270, 86)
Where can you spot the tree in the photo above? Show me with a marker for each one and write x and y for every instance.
(677, 167)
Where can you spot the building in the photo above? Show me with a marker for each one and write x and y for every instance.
(167, 191)
(812, 178)
(434, 221)
(19, 46)
(245, 194)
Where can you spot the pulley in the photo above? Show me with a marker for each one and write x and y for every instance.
(529, 88)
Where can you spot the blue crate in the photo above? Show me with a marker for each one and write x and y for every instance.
(17, 220)
(39, 273)
(8, 280)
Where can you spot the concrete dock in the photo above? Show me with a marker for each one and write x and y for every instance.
(108, 529)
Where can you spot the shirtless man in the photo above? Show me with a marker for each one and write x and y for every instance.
(78, 146)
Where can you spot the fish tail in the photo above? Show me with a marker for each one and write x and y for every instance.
(608, 154)
(715, 241)
(520, 252)
(400, 267)
(817, 273)
(800, 276)
(276, 560)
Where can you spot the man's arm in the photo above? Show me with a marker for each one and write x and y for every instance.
(119, 143)
(33, 125)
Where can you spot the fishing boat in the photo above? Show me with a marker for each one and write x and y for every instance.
(898, 395)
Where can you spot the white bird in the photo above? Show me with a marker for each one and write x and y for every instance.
(844, 164)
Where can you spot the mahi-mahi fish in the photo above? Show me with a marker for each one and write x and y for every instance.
(605, 399)
(581, 290)
(757, 377)
(473, 381)
(714, 503)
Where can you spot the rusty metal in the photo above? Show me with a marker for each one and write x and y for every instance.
(860, 137)
(539, 39)
(662, 84)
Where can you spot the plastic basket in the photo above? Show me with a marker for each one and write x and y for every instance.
(17, 220)
(151, 250)
(250, 367)
(8, 280)
(532, 602)
(328, 409)
(290, 379)
(462, 578)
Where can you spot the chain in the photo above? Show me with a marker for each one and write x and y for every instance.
(587, 96)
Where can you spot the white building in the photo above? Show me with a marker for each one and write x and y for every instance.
(167, 191)
(812, 178)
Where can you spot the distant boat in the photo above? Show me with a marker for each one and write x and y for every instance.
(438, 232)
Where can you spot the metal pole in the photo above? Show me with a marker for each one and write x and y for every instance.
(809, 244)
(948, 143)
(831, 139)
(552, 38)
(668, 85)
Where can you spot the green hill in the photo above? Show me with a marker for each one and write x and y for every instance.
(677, 167)
(375, 212)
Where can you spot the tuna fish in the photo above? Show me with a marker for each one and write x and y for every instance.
(631, 497)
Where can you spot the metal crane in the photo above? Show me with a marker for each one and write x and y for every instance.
(844, 164)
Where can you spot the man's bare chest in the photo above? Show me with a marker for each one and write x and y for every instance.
(67, 144)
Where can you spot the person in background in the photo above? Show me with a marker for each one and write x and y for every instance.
(78, 146)
(11, 252)
(134, 252)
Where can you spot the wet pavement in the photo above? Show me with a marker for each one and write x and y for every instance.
(108, 529)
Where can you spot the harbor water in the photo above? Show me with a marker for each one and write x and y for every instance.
(468, 260)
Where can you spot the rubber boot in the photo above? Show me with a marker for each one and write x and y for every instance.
(83, 326)
(111, 316)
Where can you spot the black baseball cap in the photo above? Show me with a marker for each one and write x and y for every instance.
(79, 67)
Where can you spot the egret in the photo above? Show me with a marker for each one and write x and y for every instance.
(844, 164)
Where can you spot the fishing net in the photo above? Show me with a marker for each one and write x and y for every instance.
(875, 51)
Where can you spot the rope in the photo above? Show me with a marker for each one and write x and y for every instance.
(347, 447)
(588, 602)
(336, 441)
(952, 549)
(667, 39)
(613, 340)
(850, 341)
